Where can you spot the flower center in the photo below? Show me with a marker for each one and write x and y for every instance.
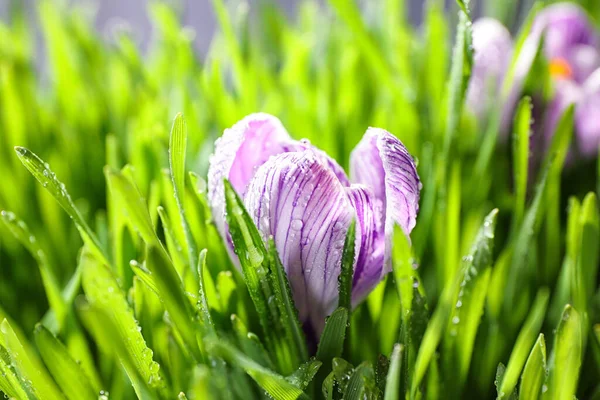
(560, 69)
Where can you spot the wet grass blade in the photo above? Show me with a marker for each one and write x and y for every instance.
(392, 385)
(132, 202)
(285, 301)
(567, 357)
(525, 340)
(362, 384)
(103, 292)
(202, 304)
(346, 274)
(305, 373)
(275, 385)
(10, 383)
(479, 258)
(534, 373)
(177, 149)
(29, 367)
(460, 73)
(332, 338)
(66, 371)
(173, 297)
(57, 304)
(252, 254)
(469, 305)
(42, 172)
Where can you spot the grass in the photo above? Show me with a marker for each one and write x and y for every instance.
(115, 283)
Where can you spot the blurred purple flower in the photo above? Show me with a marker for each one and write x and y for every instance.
(302, 198)
(570, 47)
(493, 47)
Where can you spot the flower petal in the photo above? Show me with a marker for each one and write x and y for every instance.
(492, 44)
(587, 117)
(380, 161)
(242, 148)
(566, 92)
(370, 241)
(297, 199)
(246, 146)
(564, 26)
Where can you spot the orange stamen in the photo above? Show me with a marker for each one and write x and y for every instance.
(560, 68)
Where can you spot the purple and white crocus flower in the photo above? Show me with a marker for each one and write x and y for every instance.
(302, 198)
(571, 49)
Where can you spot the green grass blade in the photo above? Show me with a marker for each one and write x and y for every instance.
(202, 304)
(109, 335)
(332, 338)
(252, 254)
(66, 371)
(469, 304)
(525, 340)
(10, 383)
(567, 356)
(20, 230)
(520, 151)
(479, 258)
(275, 385)
(42, 172)
(392, 385)
(132, 202)
(103, 292)
(534, 373)
(346, 274)
(460, 73)
(361, 384)
(287, 309)
(305, 373)
(173, 297)
(177, 149)
(29, 367)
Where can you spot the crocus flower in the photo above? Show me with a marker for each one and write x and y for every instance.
(492, 46)
(571, 49)
(302, 198)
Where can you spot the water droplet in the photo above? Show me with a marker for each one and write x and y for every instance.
(458, 304)
(296, 224)
(455, 320)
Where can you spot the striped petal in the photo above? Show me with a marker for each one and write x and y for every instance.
(238, 153)
(381, 162)
(370, 241)
(243, 149)
(299, 201)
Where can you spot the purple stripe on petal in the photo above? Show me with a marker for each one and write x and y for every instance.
(297, 199)
(381, 162)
